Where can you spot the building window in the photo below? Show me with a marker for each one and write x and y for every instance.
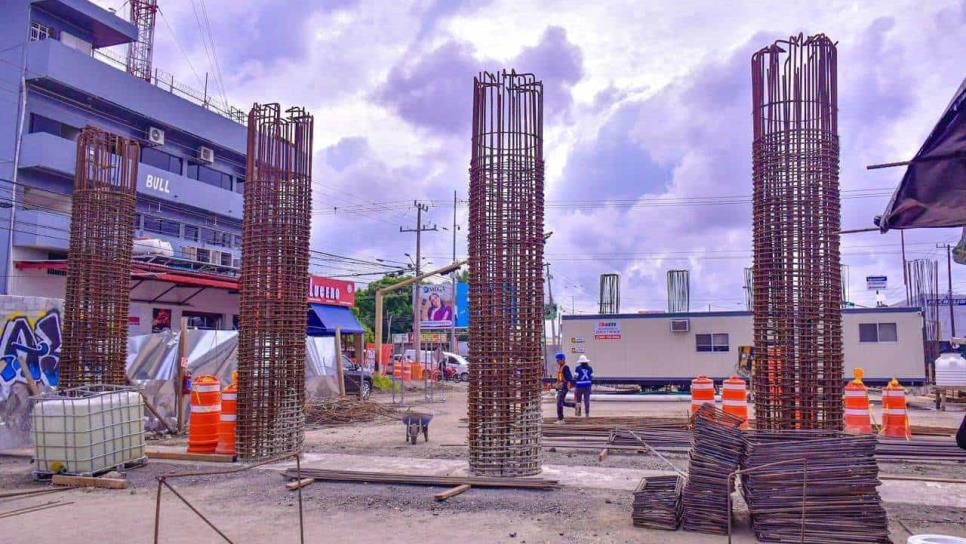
(137, 221)
(159, 159)
(236, 241)
(39, 123)
(203, 256)
(240, 185)
(39, 31)
(191, 233)
(162, 226)
(225, 258)
(878, 332)
(209, 176)
(711, 342)
(203, 320)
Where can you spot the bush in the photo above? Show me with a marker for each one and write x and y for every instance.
(382, 382)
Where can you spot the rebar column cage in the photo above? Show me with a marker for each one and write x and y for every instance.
(139, 52)
(97, 297)
(274, 276)
(678, 291)
(610, 294)
(506, 275)
(797, 374)
(923, 292)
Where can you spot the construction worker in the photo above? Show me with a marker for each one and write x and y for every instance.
(564, 380)
(583, 378)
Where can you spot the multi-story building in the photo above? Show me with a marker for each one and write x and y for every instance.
(58, 74)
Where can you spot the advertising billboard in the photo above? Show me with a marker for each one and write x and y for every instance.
(438, 307)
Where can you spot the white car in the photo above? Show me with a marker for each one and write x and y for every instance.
(460, 364)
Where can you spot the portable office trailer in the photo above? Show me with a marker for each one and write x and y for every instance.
(658, 349)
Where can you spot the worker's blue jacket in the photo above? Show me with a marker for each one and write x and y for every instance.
(583, 375)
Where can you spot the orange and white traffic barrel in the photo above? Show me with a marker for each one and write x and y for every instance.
(857, 417)
(226, 423)
(407, 372)
(895, 418)
(702, 392)
(734, 399)
(205, 414)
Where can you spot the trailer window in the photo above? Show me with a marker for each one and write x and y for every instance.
(878, 332)
(711, 342)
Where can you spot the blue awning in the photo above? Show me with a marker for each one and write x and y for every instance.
(324, 319)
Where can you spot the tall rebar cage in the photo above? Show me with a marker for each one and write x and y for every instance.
(610, 294)
(274, 275)
(797, 378)
(923, 292)
(96, 304)
(506, 275)
(678, 291)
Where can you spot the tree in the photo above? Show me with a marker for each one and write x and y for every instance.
(398, 304)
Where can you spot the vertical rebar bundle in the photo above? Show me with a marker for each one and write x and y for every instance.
(923, 292)
(99, 263)
(749, 288)
(140, 52)
(506, 275)
(610, 293)
(797, 376)
(678, 291)
(274, 276)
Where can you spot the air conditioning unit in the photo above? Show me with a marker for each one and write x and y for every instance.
(680, 325)
(155, 136)
(206, 155)
(189, 252)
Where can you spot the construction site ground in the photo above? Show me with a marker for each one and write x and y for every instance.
(593, 503)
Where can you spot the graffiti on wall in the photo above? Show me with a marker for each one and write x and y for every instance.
(33, 341)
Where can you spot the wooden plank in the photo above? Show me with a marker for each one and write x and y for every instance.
(185, 456)
(292, 486)
(602, 455)
(339, 371)
(88, 481)
(422, 479)
(31, 384)
(452, 492)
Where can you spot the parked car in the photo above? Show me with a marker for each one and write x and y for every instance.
(358, 381)
(459, 364)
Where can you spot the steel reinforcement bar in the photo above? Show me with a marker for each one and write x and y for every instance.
(274, 275)
(506, 275)
(99, 262)
(797, 274)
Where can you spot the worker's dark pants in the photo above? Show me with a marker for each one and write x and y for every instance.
(562, 401)
(583, 393)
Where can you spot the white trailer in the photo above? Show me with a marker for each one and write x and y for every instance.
(670, 349)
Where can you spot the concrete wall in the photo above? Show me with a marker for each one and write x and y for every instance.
(646, 347)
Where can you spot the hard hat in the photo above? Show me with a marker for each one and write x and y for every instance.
(560, 356)
(582, 359)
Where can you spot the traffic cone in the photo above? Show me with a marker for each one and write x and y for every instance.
(857, 417)
(895, 419)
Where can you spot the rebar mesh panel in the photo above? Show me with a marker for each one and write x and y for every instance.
(797, 276)
(506, 275)
(274, 276)
(143, 15)
(99, 260)
(610, 294)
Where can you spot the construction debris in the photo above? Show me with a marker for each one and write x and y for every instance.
(716, 453)
(347, 410)
(423, 479)
(816, 487)
(442, 496)
(88, 481)
(657, 503)
(187, 456)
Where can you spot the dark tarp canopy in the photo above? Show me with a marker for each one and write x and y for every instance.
(932, 193)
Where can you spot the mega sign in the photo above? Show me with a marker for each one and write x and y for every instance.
(331, 291)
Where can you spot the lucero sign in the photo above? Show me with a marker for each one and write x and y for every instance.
(331, 291)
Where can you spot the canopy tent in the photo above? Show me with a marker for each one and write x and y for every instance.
(324, 319)
(932, 193)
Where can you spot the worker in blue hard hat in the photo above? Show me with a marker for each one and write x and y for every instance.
(564, 380)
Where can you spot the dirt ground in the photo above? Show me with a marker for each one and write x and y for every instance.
(254, 506)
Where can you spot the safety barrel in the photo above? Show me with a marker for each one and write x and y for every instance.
(857, 417)
(734, 398)
(895, 419)
(226, 424)
(205, 414)
(702, 392)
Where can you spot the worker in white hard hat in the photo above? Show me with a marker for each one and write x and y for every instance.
(583, 379)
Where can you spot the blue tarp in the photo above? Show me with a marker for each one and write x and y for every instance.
(324, 319)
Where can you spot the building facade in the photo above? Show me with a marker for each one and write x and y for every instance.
(61, 69)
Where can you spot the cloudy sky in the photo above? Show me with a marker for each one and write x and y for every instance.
(647, 125)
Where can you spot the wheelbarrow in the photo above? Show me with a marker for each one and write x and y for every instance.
(415, 423)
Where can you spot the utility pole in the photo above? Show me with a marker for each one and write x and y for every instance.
(453, 345)
(553, 322)
(949, 279)
(420, 228)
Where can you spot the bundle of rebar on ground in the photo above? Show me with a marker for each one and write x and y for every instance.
(657, 503)
(343, 411)
(596, 433)
(813, 486)
(716, 452)
(422, 479)
(919, 449)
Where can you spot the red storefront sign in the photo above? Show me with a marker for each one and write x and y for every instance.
(331, 291)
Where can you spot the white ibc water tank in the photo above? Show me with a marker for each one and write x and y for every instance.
(935, 539)
(153, 246)
(951, 370)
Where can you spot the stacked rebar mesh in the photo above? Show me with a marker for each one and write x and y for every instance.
(716, 451)
(274, 275)
(657, 503)
(94, 350)
(797, 296)
(506, 275)
(836, 473)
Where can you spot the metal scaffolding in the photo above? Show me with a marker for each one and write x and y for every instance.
(99, 263)
(678, 291)
(506, 275)
(797, 297)
(140, 52)
(610, 293)
(274, 275)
